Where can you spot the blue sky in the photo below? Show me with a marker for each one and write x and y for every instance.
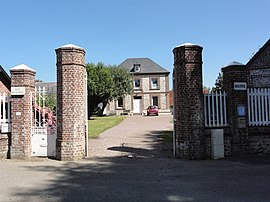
(112, 31)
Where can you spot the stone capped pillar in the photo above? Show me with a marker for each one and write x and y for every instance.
(234, 73)
(188, 102)
(22, 87)
(71, 107)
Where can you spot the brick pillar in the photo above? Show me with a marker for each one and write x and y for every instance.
(22, 87)
(71, 94)
(235, 97)
(188, 99)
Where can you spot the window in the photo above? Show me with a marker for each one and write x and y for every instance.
(155, 100)
(137, 67)
(120, 103)
(137, 83)
(154, 83)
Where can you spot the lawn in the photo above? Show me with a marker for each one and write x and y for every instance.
(97, 125)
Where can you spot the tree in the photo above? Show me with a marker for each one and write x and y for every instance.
(50, 101)
(219, 83)
(104, 84)
(99, 86)
(122, 80)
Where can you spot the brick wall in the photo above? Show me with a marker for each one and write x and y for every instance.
(71, 106)
(235, 98)
(189, 118)
(3, 88)
(21, 76)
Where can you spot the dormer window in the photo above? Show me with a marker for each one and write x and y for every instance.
(137, 67)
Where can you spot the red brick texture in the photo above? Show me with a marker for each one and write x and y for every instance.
(240, 139)
(21, 113)
(188, 116)
(71, 94)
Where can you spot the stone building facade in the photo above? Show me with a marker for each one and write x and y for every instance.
(151, 87)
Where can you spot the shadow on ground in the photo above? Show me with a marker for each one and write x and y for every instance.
(152, 175)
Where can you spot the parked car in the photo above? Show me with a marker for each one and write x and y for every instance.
(152, 110)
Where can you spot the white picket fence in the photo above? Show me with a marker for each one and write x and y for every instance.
(215, 110)
(259, 106)
(5, 115)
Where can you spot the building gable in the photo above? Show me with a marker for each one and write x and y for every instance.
(259, 68)
(261, 59)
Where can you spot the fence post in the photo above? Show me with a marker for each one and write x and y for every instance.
(22, 87)
(71, 95)
(235, 76)
(188, 102)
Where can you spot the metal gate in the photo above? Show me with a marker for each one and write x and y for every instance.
(43, 125)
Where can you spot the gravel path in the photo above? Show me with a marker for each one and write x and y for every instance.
(134, 133)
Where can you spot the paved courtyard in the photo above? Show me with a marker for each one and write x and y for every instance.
(129, 163)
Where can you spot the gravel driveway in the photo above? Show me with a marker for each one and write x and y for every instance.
(127, 164)
(135, 133)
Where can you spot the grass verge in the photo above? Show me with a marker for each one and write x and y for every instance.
(97, 125)
(167, 136)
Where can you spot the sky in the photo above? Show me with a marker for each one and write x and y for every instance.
(111, 31)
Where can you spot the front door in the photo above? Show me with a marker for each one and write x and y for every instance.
(137, 101)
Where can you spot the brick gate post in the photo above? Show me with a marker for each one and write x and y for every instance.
(22, 87)
(71, 94)
(234, 80)
(188, 102)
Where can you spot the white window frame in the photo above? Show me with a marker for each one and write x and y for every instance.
(137, 87)
(117, 103)
(154, 86)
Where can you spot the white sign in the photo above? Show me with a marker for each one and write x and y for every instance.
(240, 86)
(40, 130)
(17, 90)
(5, 128)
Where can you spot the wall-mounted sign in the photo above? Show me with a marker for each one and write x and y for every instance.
(241, 110)
(240, 86)
(17, 90)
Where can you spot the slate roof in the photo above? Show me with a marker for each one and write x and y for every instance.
(147, 66)
(5, 78)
